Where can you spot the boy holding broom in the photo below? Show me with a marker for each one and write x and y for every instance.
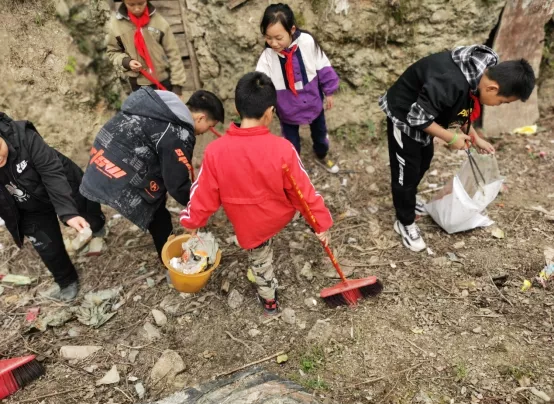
(243, 171)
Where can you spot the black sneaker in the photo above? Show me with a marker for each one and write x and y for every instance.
(271, 306)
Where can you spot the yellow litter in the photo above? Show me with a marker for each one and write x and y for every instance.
(525, 130)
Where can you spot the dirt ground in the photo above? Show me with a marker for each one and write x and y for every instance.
(441, 332)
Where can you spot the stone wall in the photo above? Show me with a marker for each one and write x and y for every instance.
(369, 42)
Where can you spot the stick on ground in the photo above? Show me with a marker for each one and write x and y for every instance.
(28, 400)
(251, 364)
(499, 292)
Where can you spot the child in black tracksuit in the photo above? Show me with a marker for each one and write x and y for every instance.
(37, 185)
(438, 93)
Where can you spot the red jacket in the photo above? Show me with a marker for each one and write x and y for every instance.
(243, 172)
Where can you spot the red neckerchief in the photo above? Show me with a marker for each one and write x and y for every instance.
(140, 44)
(289, 69)
(476, 110)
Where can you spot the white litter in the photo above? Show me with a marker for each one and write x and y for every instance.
(460, 205)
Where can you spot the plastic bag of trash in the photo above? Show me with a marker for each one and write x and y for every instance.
(459, 206)
(199, 251)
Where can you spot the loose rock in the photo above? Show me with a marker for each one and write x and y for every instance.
(139, 388)
(307, 271)
(310, 302)
(320, 332)
(133, 355)
(159, 317)
(254, 332)
(289, 316)
(78, 352)
(235, 299)
(167, 368)
(152, 333)
(112, 377)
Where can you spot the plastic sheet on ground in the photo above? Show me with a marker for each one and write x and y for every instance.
(198, 253)
(52, 319)
(96, 307)
(459, 206)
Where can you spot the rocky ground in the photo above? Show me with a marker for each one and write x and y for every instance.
(441, 332)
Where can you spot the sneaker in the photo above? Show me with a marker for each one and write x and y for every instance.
(328, 164)
(420, 209)
(411, 236)
(271, 306)
(65, 294)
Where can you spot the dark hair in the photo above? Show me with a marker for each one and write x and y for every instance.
(514, 78)
(207, 102)
(282, 13)
(254, 94)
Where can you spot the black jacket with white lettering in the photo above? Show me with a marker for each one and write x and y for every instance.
(43, 172)
(140, 155)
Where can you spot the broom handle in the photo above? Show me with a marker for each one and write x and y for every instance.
(312, 220)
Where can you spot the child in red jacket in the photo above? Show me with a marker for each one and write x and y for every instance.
(243, 172)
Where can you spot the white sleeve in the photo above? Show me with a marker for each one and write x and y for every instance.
(264, 63)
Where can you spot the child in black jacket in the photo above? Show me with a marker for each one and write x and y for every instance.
(436, 97)
(37, 185)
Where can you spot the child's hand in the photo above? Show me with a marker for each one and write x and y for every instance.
(482, 146)
(135, 65)
(324, 237)
(460, 143)
(78, 223)
(329, 102)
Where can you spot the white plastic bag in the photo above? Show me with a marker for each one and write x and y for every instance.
(461, 203)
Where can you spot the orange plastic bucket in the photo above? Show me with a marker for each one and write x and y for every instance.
(184, 282)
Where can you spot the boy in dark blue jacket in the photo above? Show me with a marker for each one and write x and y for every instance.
(435, 97)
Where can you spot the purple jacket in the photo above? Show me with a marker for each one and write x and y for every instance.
(313, 76)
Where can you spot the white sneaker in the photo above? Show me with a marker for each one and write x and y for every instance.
(411, 236)
(328, 164)
(420, 209)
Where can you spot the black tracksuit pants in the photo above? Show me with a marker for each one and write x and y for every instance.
(43, 230)
(409, 160)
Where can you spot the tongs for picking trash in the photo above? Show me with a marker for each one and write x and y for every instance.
(475, 169)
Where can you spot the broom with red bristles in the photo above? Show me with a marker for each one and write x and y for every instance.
(348, 291)
(17, 373)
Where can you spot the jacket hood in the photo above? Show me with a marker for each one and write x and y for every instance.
(473, 61)
(8, 134)
(161, 105)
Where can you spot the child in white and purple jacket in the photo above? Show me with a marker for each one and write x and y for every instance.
(303, 77)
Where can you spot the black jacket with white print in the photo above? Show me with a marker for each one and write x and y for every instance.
(37, 170)
(140, 155)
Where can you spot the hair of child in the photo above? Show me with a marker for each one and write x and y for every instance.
(207, 102)
(254, 94)
(514, 78)
(282, 13)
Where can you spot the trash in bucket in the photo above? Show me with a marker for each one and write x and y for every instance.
(198, 252)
